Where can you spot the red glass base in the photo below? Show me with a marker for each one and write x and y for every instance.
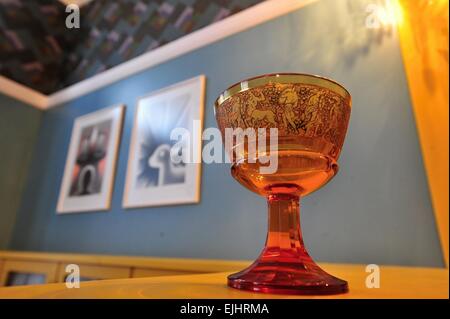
(285, 267)
(299, 277)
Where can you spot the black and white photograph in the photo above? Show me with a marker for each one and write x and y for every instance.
(90, 164)
(154, 178)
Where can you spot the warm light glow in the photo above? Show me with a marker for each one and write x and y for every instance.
(385, 14)
(393, 14)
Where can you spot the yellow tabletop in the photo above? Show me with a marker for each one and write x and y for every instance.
(396, 282)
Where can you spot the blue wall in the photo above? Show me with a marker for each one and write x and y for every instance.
(376, 210)
(19, 125)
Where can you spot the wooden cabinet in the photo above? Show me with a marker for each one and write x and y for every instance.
(14, 272)
(21, 268)
(94, 272)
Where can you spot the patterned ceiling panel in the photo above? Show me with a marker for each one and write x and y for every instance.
(33, 39)
(36, 49)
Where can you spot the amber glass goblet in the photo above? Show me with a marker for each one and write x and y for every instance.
(311, 115)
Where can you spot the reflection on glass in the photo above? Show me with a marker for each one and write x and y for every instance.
(23, 279)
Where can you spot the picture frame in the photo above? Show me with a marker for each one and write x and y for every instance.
(89, 172)
(152, 179)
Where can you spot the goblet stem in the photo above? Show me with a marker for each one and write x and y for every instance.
(284, 244)
(284, 265)
(284, 236)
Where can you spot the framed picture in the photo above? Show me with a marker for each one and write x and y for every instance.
(153, 178)
(90, 164)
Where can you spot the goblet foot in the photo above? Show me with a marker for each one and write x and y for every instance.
(284, 265)
(299, 278)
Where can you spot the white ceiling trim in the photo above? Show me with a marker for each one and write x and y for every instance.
(22, 93)
(236, 23)
(77, 2)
